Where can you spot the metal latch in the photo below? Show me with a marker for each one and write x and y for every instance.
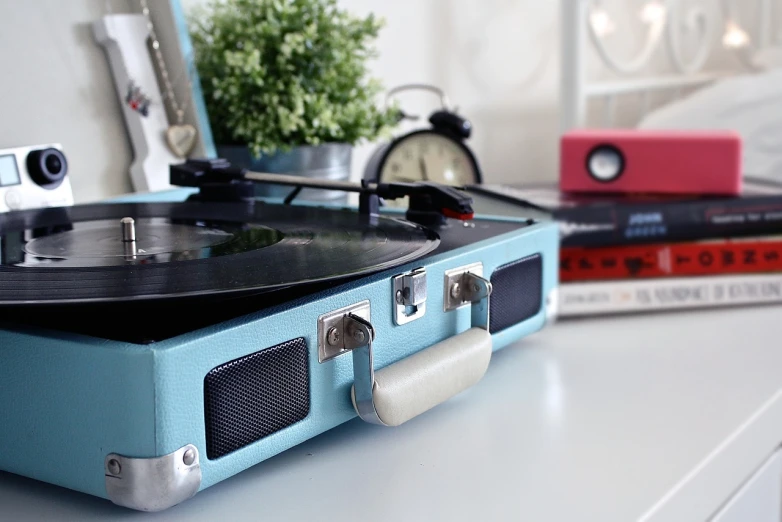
(463, 286)
(335, 336)
(409, 296)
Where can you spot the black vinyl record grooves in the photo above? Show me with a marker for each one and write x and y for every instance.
(86, 254)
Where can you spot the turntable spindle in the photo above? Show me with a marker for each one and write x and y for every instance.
(129, 237)
(128, 229)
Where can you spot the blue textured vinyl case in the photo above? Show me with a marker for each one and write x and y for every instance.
(148, 424)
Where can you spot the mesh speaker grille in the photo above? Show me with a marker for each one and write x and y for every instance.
(254, 396)
(516, 292)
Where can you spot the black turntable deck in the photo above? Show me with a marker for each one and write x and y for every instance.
(178, 267)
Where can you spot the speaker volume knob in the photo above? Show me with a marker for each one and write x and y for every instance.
(47, 167)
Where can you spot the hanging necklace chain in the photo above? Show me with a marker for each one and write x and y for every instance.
(179, 110)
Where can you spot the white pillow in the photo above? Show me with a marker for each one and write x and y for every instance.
(748, 104)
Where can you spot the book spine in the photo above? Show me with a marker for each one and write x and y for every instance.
(663, 221)
(618, 297)
(670, 259)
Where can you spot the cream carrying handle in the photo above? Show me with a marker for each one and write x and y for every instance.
(403, 390)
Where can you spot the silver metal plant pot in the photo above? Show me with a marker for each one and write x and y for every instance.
(328, 161)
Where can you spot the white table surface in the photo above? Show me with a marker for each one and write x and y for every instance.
(654, 418)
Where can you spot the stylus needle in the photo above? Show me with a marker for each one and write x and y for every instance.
(422, 163)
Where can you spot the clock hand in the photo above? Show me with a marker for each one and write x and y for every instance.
(422, 163)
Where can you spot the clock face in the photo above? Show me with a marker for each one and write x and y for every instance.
(428, 156)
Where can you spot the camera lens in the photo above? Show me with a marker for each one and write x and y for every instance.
(605, 163)
(47, 167)
(53, 164)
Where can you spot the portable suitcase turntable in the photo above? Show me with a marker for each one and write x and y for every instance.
(150, 349)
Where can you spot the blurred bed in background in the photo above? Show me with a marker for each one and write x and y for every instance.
(722, 64)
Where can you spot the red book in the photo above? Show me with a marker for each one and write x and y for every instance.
(691, 258)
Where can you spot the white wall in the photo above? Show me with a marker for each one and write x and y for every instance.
(496, 59)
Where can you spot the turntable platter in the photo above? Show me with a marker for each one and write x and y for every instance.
(92, 243)
(100, 242)
(121, 252)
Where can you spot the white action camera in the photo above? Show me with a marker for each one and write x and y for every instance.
(34, 177)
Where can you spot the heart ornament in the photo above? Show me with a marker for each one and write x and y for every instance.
(181, 139)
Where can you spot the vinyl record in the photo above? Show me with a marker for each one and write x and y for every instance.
(127, 251)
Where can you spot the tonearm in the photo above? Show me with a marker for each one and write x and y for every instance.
(218, 180)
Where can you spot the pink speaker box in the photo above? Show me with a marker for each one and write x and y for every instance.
(650, 162)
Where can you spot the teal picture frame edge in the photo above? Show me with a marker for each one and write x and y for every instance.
(188, 55)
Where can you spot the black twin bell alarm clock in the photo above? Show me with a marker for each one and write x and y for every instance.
(438, 154)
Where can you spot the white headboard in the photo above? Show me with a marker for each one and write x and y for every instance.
(729, 35)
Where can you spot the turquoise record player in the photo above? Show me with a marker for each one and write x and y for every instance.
(153, 346)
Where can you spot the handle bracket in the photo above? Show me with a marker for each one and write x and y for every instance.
(407, 388)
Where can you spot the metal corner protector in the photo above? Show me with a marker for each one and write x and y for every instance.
(153, 484)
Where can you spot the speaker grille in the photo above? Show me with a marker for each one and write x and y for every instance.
(516, 292)
(254, 396)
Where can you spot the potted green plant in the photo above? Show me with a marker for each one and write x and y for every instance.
(286, 85)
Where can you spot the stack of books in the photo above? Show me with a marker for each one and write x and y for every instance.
(628, 253)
